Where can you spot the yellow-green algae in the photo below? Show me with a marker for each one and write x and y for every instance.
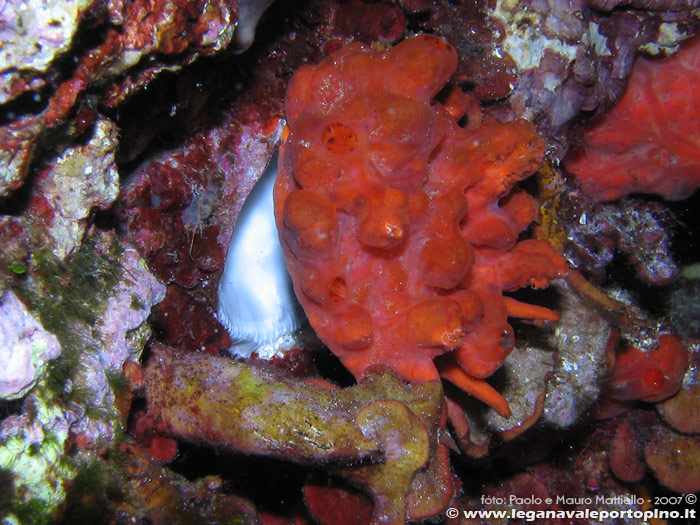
(378, 434)
(69, 298)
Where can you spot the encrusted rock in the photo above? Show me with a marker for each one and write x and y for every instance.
(581, 339)
(83, 178)
(34, 33)
(571, 58)
(25, 347)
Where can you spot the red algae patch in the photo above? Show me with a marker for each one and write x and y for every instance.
(400, 227)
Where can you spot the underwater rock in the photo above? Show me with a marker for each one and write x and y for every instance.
(191, 147)
(525, 373)
(581, 339)
(180, 209)
(66, 49)
(25, 348)
(391, 425)
(675, 5)
(647, 143)
(571, 58)
(552, 378)
(33, 457)
(121, 336)
(639, 229)
(95, 303)
(33, 34)
(683, 303)
(484, 71)
(82, 179)
(126, 485)
(123, 322)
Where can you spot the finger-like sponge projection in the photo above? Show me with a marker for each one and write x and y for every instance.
(399, 226)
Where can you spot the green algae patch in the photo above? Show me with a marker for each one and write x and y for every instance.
(35, 468)
(17, 268)
(40, 453)
(76, 290)
(250, 385)
(69, 298)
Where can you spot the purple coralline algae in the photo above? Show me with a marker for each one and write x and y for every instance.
(34, 33)
(25, 348)
(639, 229)
(123, 322)
(97, 307)
(572, 59)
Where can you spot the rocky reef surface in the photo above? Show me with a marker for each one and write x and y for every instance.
(131, 134)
